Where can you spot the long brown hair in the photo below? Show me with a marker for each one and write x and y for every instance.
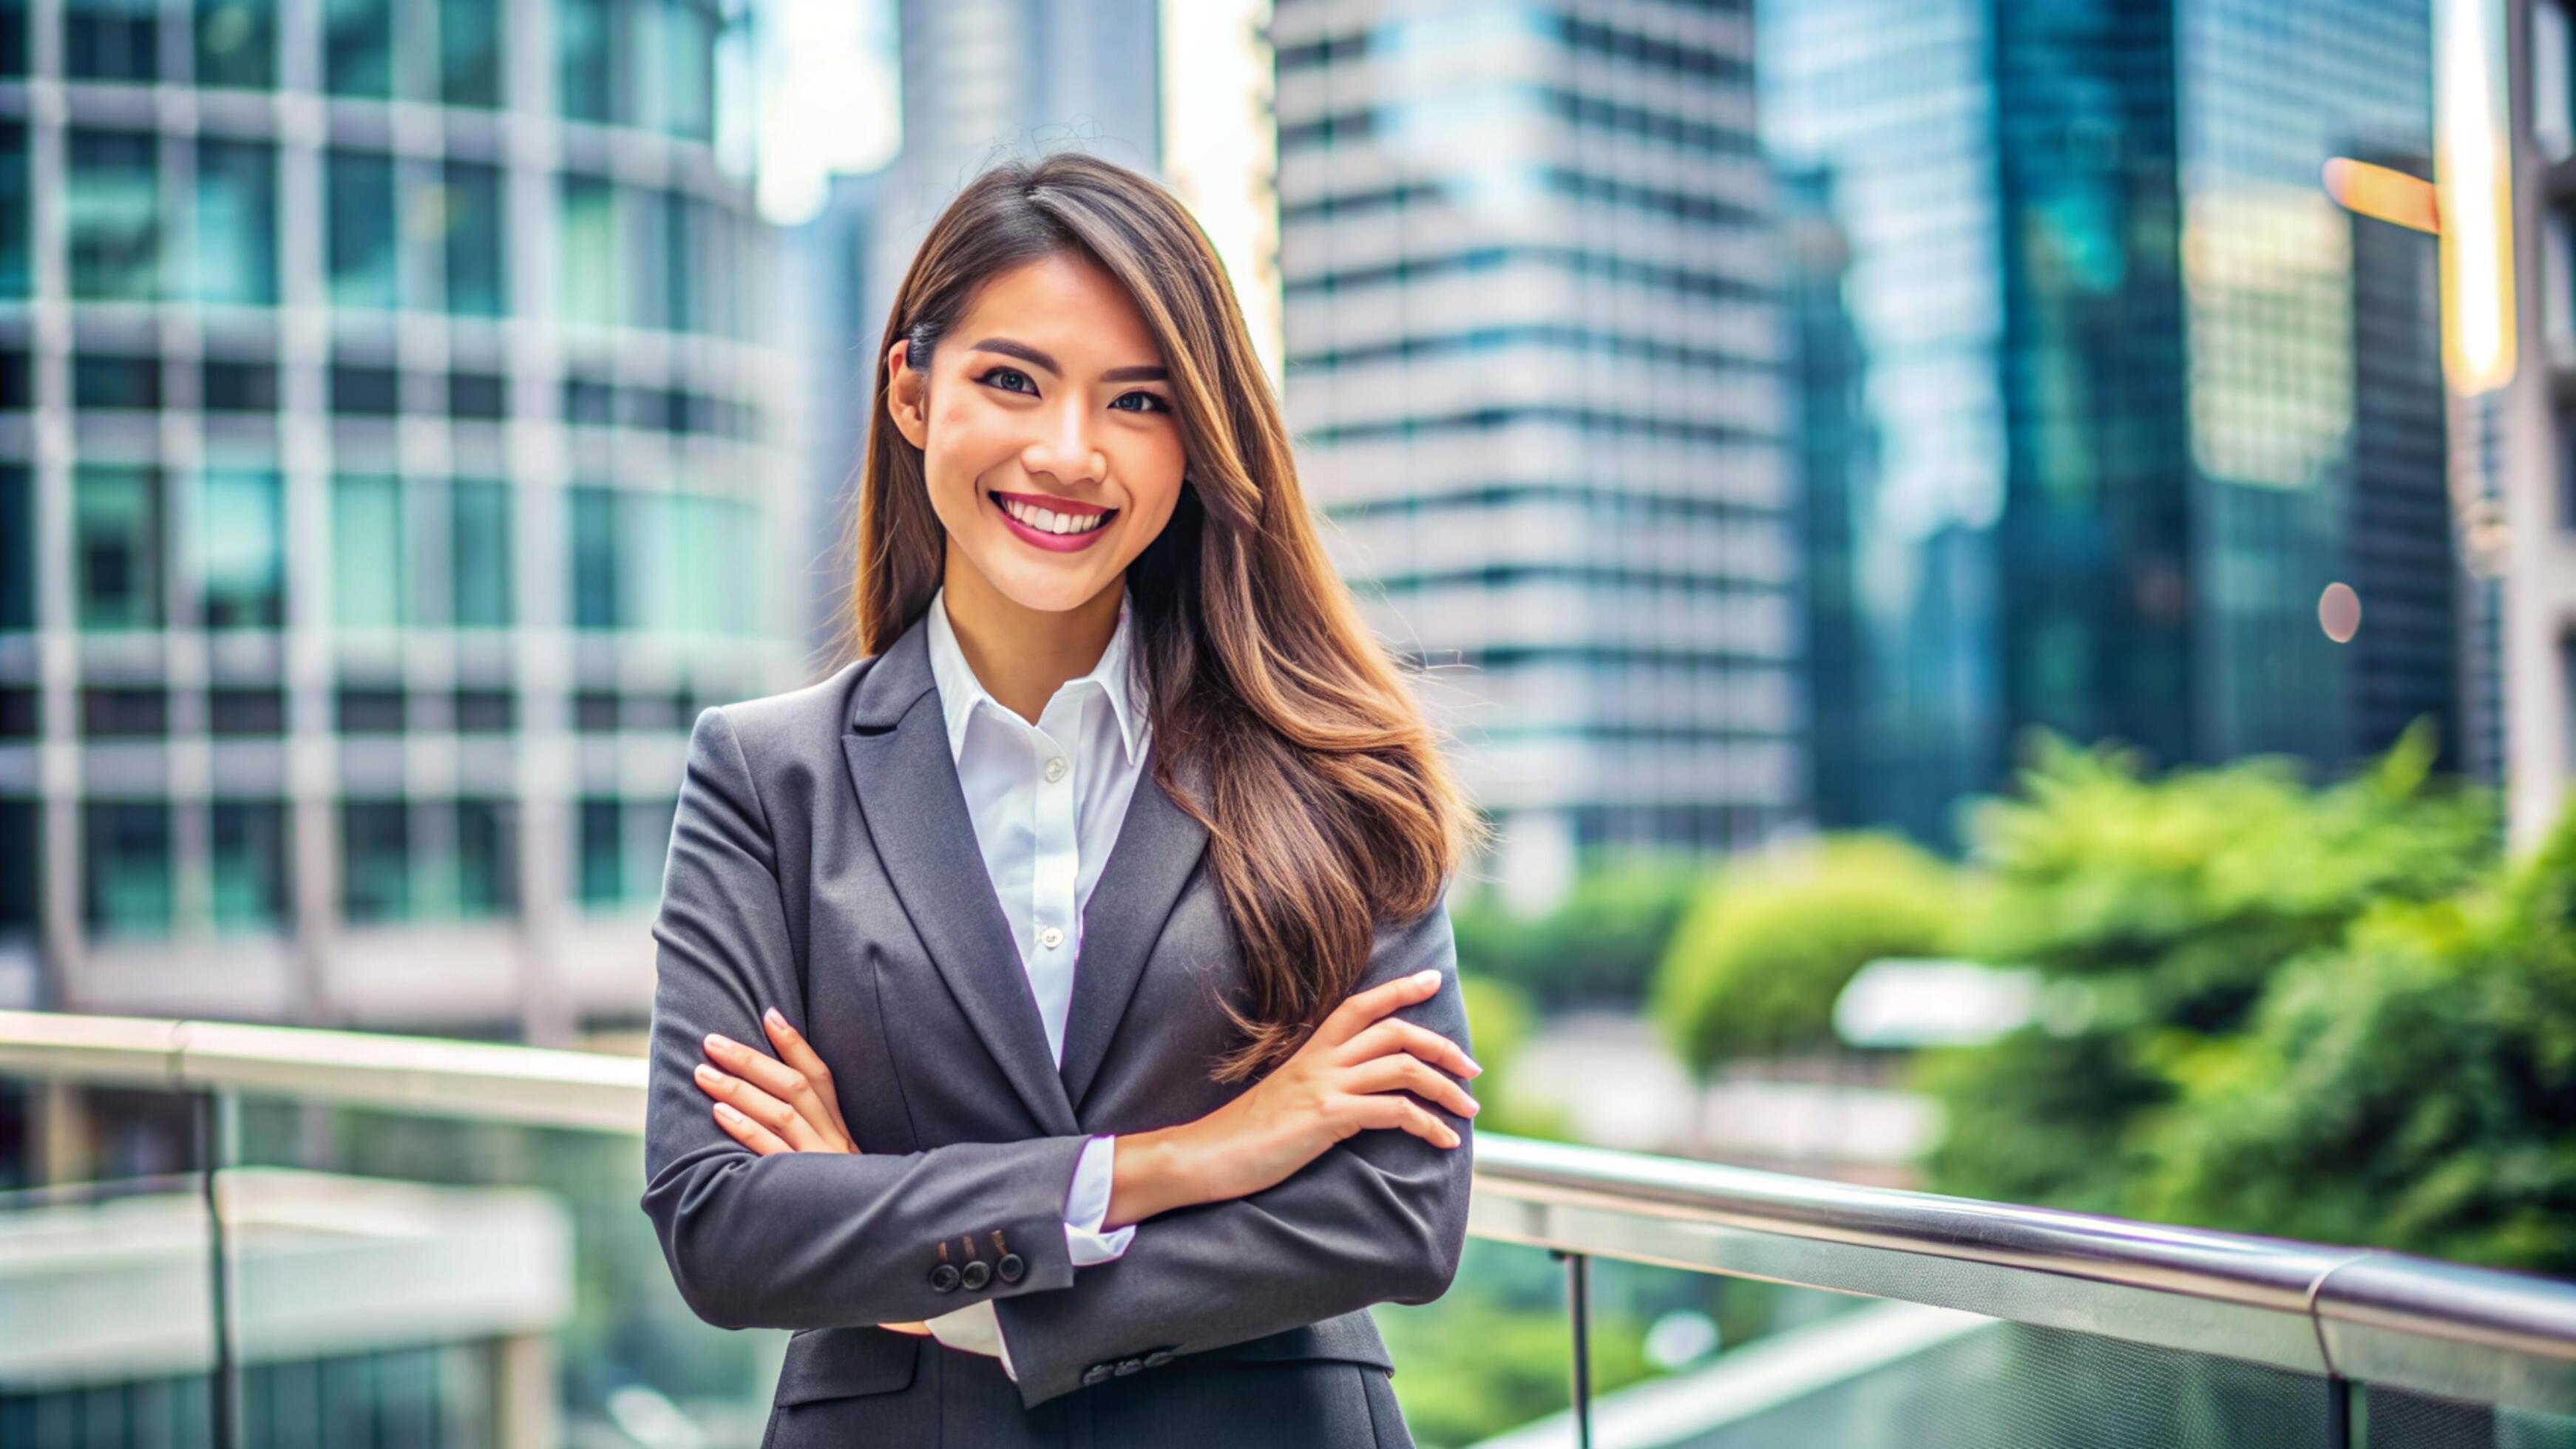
(1326, 801)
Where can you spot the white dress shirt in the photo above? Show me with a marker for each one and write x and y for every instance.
(1047, 801)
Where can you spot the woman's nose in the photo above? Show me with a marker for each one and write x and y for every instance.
(1064, 448)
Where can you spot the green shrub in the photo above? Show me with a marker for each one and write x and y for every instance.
(1754, 967)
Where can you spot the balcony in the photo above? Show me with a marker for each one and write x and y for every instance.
(411, 1241)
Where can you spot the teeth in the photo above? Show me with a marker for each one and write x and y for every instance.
(1047, 520)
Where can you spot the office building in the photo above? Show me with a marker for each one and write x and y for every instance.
(387, 477)
(1534, 368)
(2529, 484)
(2133, 390)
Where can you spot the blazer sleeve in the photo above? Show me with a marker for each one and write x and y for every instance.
(802, 1239)
(1378, 1218)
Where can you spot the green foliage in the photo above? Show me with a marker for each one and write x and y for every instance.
(2272, 1007)
(1600, 944)
(1755, 965)
(1499, 1019)
(2412, 1087)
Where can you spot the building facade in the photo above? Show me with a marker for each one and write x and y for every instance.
(387, 477)
(2531, 457)
(2134, 390)
(1533, 366)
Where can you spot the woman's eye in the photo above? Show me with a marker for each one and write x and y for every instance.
(1154, 402)
(1008, 379)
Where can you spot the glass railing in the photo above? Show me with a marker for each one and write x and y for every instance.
(216, 1234)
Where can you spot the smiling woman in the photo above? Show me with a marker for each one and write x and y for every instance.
(1058, 1017)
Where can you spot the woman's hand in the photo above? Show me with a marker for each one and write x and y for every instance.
(1350, 1076)
(782, 1104)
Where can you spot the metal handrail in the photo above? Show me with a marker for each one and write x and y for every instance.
(2478, 1335)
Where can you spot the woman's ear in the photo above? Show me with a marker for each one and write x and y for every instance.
(907, 395)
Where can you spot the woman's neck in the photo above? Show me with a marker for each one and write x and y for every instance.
(1022, 655)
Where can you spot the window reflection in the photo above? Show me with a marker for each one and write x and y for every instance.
(366, 551)
(113, 205)
(125, 860)
(480, 539)
(375, 861)
(583, 64)
(469, 52)
(15, 214)
(587, 280)
(249, 859)
(239, 563)
(233, 257)
(236, 43)
(357, 47)
(111, 40)
(365, 255)
(471, 221)
(116, 528)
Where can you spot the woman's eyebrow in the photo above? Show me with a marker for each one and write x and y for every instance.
(1151, 372)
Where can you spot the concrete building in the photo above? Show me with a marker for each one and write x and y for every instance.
(388, 473)
(1533, 362)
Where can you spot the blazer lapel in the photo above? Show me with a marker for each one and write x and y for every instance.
(1158, 845)
(916, 812)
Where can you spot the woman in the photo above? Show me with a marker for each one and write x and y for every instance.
(1037, 1140)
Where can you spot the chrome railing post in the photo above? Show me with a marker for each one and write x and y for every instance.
(1578, 1304)
(217, 1132)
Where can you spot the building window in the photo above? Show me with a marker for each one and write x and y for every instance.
(487, 858)
(477, 396)
(125, 868)
(17, 548)
(470, 214)
(22, 828)
(603, 853)
(358, 390)
(132, 713)
(673, 86)
(108, 381)
(375, 861)
(365, 251)
(238, 387)
(584, 66)
(588, 277)
(237, 43)
(367, 553)
(111, 40)
(469, 52)
(240, 569)
(250, 863)
(357, 47)
(116, 532)
(113, 215)
(14, 212)
(595, 583)
(479, 543)
(234, 257)
(253, 712)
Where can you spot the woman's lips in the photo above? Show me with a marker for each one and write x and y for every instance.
(1051, 542)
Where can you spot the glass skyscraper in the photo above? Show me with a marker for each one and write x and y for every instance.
(1534, 346)
(387, 476)
(2128, 390)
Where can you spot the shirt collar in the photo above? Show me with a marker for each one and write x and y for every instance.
(960, 691)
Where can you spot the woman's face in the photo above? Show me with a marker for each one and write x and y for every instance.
(1047, 394)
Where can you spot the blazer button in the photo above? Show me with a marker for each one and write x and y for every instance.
(1097, 1373)
(978, 1273)
(1128, 1366)
(943, 1279)
(1158, 1358)
(1010, 1268)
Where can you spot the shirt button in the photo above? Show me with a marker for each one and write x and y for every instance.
(1051, 938)
(1055, 769)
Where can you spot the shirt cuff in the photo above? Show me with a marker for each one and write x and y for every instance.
(1088, 1203)
(975, 1329)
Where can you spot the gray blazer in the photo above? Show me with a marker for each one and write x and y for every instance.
(823, 862)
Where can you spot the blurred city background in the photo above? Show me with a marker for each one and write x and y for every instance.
(2006, 570)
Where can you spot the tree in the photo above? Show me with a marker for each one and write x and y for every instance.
(1599, 945)
(1755, 965)
(2160, 910)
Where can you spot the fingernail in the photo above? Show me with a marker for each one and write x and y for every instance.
(1475, 1068)
(1474, 1106)
(707, 1073)
(725, 1110)
(773, 1018)
(718, 1042)
(1427, 978)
